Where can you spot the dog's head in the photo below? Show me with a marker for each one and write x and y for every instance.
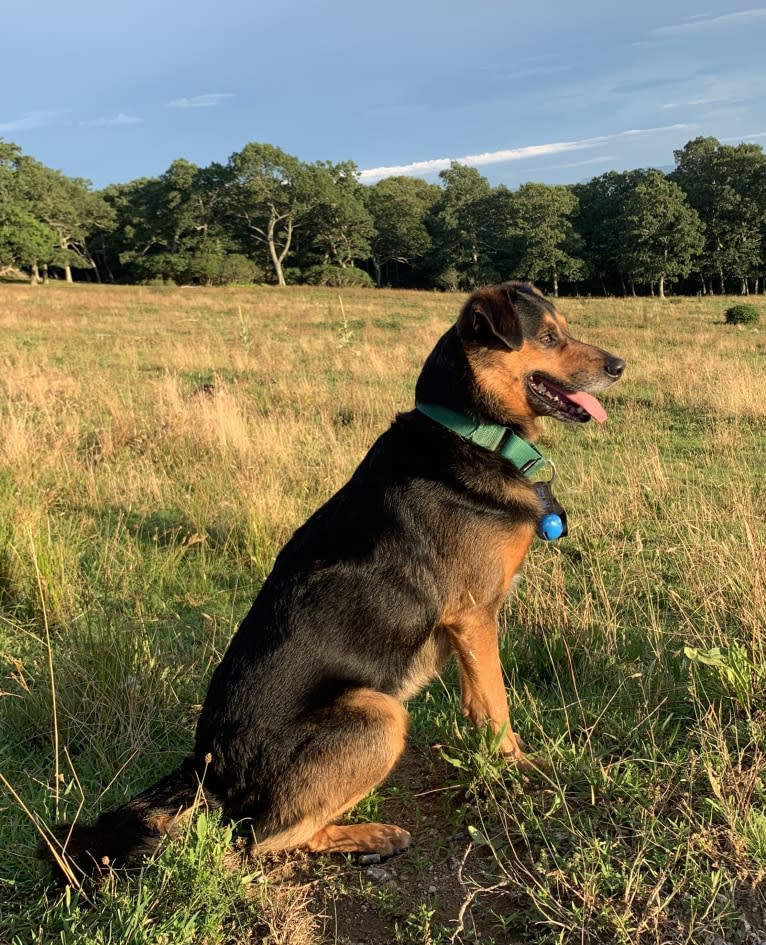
(525, 364)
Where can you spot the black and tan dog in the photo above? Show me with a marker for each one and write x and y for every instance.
(405, 566)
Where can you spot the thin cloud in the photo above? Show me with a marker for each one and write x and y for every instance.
(601, 159)
(704, 24)
(114, 122)
(533, 71)
(756, 134)
(27, 122)
(698, 101)
(501, 157)
(211, 100)
(594, 160)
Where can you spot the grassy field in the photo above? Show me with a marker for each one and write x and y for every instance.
(140, 511)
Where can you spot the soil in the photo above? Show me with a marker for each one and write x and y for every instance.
(412, 898)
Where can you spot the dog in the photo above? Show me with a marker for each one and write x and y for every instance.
(404, 567)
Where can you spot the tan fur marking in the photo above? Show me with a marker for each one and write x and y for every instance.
(385, 839)
(473, 631)
(426, 665)
(168, 824)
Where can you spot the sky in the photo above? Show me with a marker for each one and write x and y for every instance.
(556, 91)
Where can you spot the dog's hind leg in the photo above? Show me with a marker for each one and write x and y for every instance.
(351, 746)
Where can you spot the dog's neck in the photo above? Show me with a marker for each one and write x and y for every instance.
(446, 377)
(490, 436)
(447, 380)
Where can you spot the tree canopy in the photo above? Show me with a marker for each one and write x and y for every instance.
(265, 215)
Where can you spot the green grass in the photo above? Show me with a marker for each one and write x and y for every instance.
(138, 519)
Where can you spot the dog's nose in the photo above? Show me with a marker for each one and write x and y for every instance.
(614, 367)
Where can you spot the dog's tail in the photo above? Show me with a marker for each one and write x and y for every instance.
(135, 829)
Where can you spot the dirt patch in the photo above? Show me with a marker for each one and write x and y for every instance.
(433, 893)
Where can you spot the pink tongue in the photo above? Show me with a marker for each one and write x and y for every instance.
(590, 404)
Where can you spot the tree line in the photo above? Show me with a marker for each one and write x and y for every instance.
(267, 216)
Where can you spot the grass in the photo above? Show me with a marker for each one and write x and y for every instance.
(140, 510)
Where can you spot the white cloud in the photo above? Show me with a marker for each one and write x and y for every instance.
(201, 101)
(703, 24)
(27, 122)
(114, 122)
(501, 157)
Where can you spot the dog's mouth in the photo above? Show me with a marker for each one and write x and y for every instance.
(551, 399)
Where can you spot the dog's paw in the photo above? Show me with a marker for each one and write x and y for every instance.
(527, 764)
(388, 840)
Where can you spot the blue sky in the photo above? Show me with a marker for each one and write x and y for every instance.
(548, 90)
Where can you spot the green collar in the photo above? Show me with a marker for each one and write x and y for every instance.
(491, 436)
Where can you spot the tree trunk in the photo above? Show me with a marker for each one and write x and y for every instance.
(555, 285)
(275, 260)
(378, 270)
(35, 277)
(92, 262)
(743, 286)
(723, 283)
(68, 272)
(280, 258)
(46, 277)
(661, 286)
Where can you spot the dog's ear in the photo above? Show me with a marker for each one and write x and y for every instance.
(490, 317)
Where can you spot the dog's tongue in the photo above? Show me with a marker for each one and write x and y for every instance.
(590, 404)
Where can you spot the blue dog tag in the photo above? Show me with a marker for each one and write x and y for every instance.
(553, 521)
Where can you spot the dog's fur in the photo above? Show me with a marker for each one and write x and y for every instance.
(406, 565)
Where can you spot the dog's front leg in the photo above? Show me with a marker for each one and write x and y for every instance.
(483, 696)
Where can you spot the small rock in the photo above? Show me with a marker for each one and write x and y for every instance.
(377, 875)
(432, 890)
(366, 859)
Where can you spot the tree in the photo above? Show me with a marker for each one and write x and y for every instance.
(399, 207)
(462, 227)
(269, 193)
(662, 235)
(597, 222)
(69, 208)
(726, 185)
(24, 240)
(339, 226)
(542, 219)
(172, 227)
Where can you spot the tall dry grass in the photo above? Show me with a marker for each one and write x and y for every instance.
(157, 447)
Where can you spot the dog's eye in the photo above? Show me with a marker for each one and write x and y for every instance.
(549, 340)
